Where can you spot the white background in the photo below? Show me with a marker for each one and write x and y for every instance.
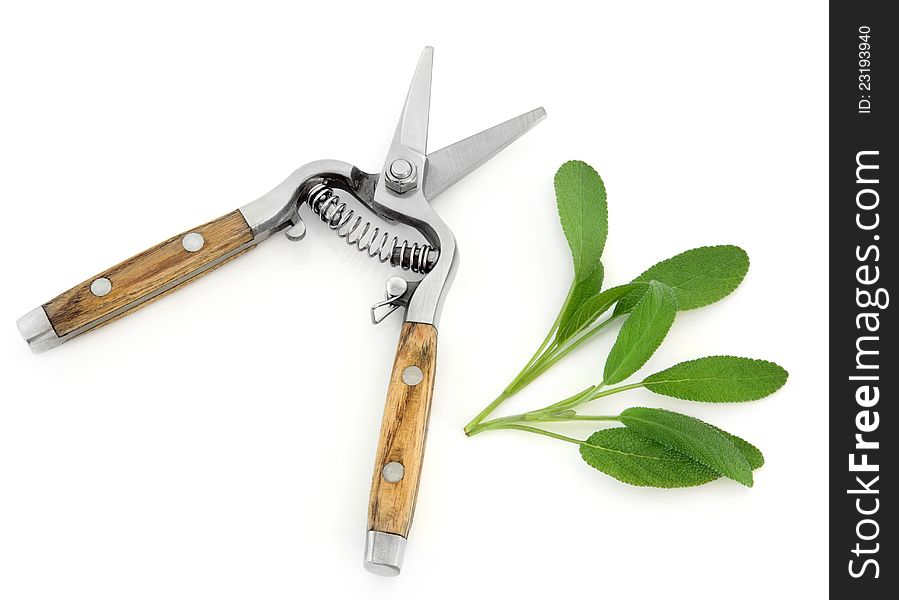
(218, 444)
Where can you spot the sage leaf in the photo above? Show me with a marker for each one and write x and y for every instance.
(592, 308)
(753, 455)
(718, 379)
(698, 277)
(581, 200)
(636, 459)
(691, 437)
(642, 333)
(580, 292)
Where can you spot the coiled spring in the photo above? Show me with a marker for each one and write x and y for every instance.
(375, 241)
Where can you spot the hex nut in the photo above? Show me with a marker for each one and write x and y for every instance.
(401, 176)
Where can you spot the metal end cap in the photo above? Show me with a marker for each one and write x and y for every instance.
(384, 553)
(36, 329)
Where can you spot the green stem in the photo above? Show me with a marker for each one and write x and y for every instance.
(534, 417)
(510, 389)
(547, 355)
(578, 418)
(474, 423)
(555, 355)
(543, 345)
(560, 411)
(615, 390)
(496, 424)
(562, 404)
(537, 354)
(588, 395)
(538, 431)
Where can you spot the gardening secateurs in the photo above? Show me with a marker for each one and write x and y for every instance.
(386, 214)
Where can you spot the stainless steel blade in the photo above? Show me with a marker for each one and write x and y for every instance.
(412, 129)
(450, 164)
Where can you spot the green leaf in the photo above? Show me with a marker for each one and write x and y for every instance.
(696, 439)
(642, 333)
(698, 277)
(580, 292)
(592, 308)
(636, 459)
(581, 199)
(719, 379)
(753, 455)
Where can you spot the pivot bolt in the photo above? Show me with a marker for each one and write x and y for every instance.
(401, 176)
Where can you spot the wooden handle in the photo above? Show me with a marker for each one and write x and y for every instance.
(394, 488)
(151, 274)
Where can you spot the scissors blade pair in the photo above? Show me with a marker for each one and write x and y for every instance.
(448, 165)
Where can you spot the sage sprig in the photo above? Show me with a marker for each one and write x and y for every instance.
(653, 447)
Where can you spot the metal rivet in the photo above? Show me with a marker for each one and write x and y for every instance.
(396, 287)
(101, 286)
(393, 472)
(412, 375)
(192, 242)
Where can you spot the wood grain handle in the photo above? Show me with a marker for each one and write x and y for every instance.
(401, 446)
(137, 281)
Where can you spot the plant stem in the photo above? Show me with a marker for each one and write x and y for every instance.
(562, 404)
(555, 354)
(539, 431)
(496, 424)
(537, 354)
(548, 354)
(590, 394)
(537, 417)
(578, 418)
(615, 390)
(558, 412)
(546, 340)
(474, 423)
(510, 389)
